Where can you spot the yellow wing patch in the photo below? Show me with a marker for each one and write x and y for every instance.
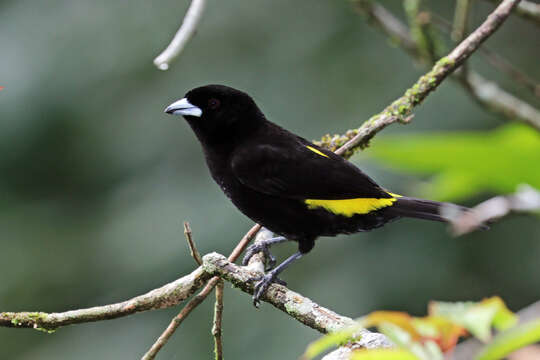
(350, 207)
(317, 151)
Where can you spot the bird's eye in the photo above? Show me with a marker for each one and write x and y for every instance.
(213, 103)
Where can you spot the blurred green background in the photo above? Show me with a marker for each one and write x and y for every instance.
(95, 180)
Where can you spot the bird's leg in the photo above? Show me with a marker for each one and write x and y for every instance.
(264, 247)
(264, 281)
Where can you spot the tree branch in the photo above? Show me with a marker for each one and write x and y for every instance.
(166, 296)
(401, 109)
(178, 319)
(182, 36)
(299, 307)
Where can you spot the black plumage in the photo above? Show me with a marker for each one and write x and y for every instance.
(283, 181)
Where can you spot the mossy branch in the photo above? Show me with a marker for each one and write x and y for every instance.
(166, 296)
(401, 109)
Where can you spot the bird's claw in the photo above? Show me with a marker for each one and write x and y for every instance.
(257, 248)
(263, 282)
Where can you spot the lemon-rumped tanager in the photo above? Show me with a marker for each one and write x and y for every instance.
(284, 182)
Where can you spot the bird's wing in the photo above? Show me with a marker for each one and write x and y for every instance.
(302, 170)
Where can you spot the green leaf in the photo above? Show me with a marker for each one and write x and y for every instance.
(477, 318)
(508, 341)
(382, 354)
(465, 163)
(330, 340)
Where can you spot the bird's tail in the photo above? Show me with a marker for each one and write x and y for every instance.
(422, 209)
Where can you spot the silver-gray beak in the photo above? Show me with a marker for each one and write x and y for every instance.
(183, 107)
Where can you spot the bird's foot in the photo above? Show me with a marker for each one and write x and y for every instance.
(264, 247)
(263, 282)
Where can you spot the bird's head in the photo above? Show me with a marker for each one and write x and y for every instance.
(217, 110)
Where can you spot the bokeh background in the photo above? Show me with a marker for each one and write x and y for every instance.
(95, 180)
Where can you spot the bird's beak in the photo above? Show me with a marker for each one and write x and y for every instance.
(183, 107)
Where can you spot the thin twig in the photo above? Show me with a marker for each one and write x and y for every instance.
(178, 319)
(500, 63)
(186, 31)
(218, 319)
(244, 243)
(198, 299)
(192, 248)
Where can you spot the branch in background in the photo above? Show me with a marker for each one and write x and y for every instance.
(487, 93)
(198, 299)
(461, 17)
(421, 31)
(186, 31)
(526, 199)
(400, 110)
(166, 296)
(490, 95)
(460, 27)
(527, 10)
(218, 319)
(383, 19)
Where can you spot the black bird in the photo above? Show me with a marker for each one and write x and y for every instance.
(283, 181)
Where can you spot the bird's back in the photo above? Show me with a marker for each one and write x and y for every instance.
(270, 175)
